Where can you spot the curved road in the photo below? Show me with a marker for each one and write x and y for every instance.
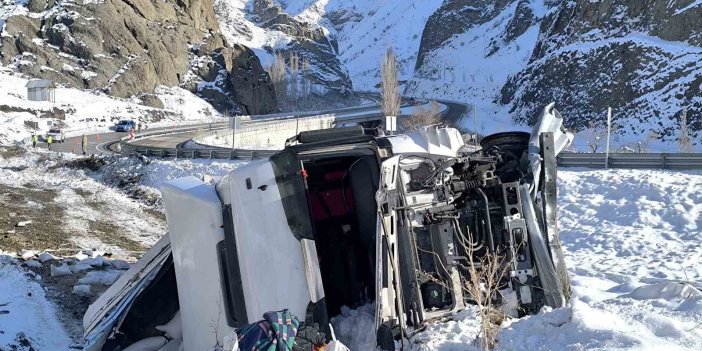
(97, 142)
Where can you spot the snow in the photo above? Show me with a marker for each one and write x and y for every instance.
(27, 311)
(355, 328)
(92, 112)
(87, 198)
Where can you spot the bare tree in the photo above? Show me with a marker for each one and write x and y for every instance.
(594, 137)
(390, 84)
(422, 117)
(306, 82)
(684, 140)
(278, 76)
(294, 62)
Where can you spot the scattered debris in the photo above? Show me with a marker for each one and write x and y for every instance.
(119, 264)
(45, 256)
(100, 278)
(27, 254)
(60, 271)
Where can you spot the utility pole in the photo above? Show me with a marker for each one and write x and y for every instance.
(235, 122)
(609, 130)
(475, 123)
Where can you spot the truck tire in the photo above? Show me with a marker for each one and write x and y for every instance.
(385, 338)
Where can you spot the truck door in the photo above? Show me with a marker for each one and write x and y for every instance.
(272, 235)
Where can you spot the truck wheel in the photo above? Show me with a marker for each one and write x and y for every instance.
(385, 338)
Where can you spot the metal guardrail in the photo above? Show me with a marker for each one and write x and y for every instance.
(679, 161)
(209, 153)
(672, 161)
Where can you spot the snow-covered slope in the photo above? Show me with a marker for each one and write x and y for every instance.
(84, 111)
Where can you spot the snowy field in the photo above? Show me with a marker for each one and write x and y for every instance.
(630, 239)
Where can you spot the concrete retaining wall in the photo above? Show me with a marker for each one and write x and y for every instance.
(265, 134)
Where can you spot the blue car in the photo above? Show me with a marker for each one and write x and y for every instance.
(125, 125)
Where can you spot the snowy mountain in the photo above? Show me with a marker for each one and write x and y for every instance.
(510, 57)
(642, 58)
(128, 48)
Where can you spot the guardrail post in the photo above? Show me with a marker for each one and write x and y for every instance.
(176, 157)
(211, 154)
(147, 152)
(163, 153)
(252, 155)
(231, 154)
(663, 160)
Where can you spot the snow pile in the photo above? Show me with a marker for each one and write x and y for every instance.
(356, 328)
(26, 315)
(87, 111)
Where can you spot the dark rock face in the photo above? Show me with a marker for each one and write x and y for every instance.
(642, 58)
(310, 42)
(453, 17)
(129, 47)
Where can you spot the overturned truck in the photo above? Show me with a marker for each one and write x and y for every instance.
(342, 217)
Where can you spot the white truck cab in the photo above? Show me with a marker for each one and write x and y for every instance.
(344, 218)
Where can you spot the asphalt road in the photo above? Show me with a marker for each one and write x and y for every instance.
(73, 144)
(97, 142)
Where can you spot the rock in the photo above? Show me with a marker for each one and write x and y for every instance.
(128, 48)
(99, 261)
(60, 271)
(39, 5)
(623, 72)
(27, 254)
(151, 100)
(309, 41)
(120, 264)
(23, 223)
(81, 266)
(82, 290)
(45, 256)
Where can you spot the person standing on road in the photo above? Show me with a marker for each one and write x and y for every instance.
(49, 141)
(35, 138)
(131, 134)
(84, 144)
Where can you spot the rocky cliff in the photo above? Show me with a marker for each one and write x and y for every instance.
(309, 41)
(129, 47)
(641, 57)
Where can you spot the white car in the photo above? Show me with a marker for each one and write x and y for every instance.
(343, 218)
(57, 135)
